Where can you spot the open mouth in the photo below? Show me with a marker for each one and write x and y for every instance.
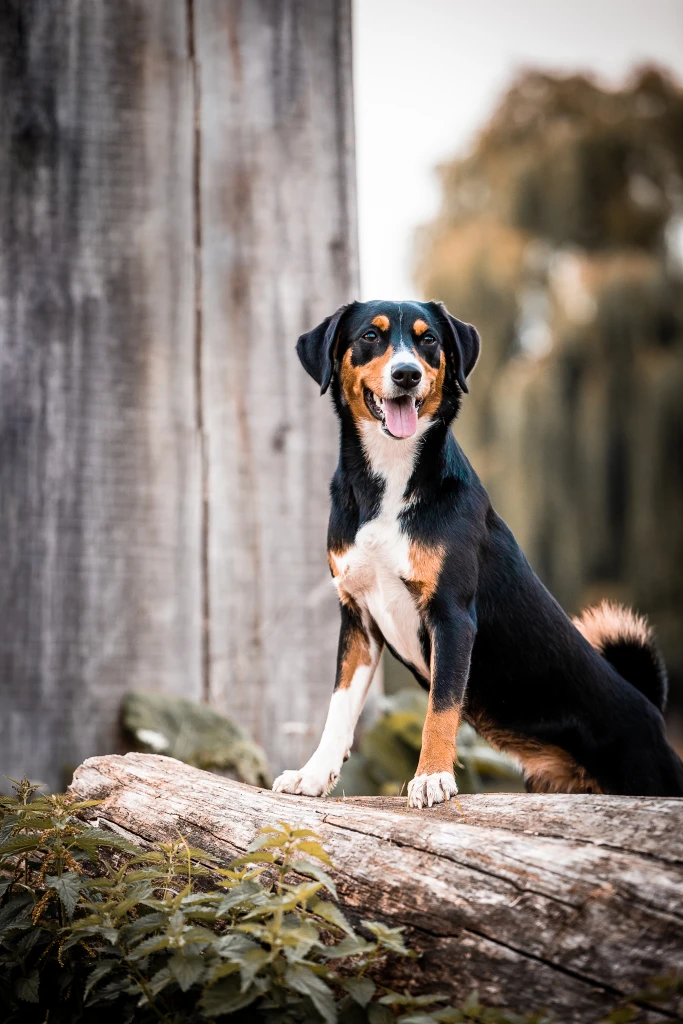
(398, 416)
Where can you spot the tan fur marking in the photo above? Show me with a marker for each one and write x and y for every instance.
(438, 741)
(355, 378)
(350, 581)
(435, 377)
(420, 327)
(425, 566)
(382, 322)
(608, 623)
(356, 654)
(547, 768)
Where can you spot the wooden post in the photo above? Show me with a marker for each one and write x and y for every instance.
(176, 205)
(564, 903)
(278, 255)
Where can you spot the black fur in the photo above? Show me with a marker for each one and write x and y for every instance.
(505, 650)
(642, 665)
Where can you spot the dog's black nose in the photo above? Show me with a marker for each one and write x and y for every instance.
(406, 375)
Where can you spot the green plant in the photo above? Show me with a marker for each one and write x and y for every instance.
(91, 927)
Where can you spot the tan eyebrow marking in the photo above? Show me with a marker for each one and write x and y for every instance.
(382, 322)
(420, 327)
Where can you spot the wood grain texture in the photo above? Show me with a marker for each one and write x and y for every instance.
(99, 460)
(277, 208)
(176, 206)
(539, 901)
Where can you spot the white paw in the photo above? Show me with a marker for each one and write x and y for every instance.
(425, 790)
(307, 781)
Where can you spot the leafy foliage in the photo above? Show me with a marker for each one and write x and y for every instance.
(389, 751)
(194, 733)
(94, 929)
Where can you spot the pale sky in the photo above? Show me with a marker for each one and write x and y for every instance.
(429, 72)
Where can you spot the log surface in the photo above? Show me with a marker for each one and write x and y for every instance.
(557, 902)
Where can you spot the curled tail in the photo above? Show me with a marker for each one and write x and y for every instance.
(627, 641)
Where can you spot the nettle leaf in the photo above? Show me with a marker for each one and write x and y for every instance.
(331, 912)
(390, 938)
(198, 935)
(238, 895)
(95, 837)
(360, 989)
(187, 970)
(351, 945)
(20, 844)
(304, 867)
(26, 988)
(159, 982)
(303, 833)
(267, 841)
(234, 946)
(226, 997)
(151, 945)
(91, 931)
(103, 968)
(408, 999)
(68, 888)
(200, 897)
(258, 857)
(314, 849)
(304, 981)
(472, 1006)
(4, 885)
(288, 901)
(251, 964)
(17, 912)
(8, 824)
(298, 940)
(378, 1014)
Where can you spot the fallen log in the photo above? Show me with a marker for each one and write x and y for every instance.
(558, 902)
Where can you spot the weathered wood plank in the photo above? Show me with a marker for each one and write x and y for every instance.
(279, 253)
(176, 206)
(99, 461)
(533, 920)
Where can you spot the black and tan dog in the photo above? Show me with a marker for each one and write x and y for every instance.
(423, 564)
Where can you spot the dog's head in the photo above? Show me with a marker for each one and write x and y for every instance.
(392, 363)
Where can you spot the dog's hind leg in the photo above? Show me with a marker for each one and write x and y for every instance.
(547, 768)
(360, 647)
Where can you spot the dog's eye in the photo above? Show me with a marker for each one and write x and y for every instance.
(428, 339)
(370, 336)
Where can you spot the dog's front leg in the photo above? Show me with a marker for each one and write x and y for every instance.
(452, 640)
(359, 651)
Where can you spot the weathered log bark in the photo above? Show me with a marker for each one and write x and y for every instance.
(562, 902)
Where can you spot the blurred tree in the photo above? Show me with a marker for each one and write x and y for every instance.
(561, 237)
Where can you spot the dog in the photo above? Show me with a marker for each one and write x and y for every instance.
(423, 565)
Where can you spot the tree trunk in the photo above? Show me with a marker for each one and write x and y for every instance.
(562, 902)
(176, 206)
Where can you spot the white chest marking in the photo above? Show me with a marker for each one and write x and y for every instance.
(373, 569)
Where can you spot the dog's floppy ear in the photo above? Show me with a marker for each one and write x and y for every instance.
(462, 345)
(316, 348)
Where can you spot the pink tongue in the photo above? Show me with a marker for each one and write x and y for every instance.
(401, 416)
